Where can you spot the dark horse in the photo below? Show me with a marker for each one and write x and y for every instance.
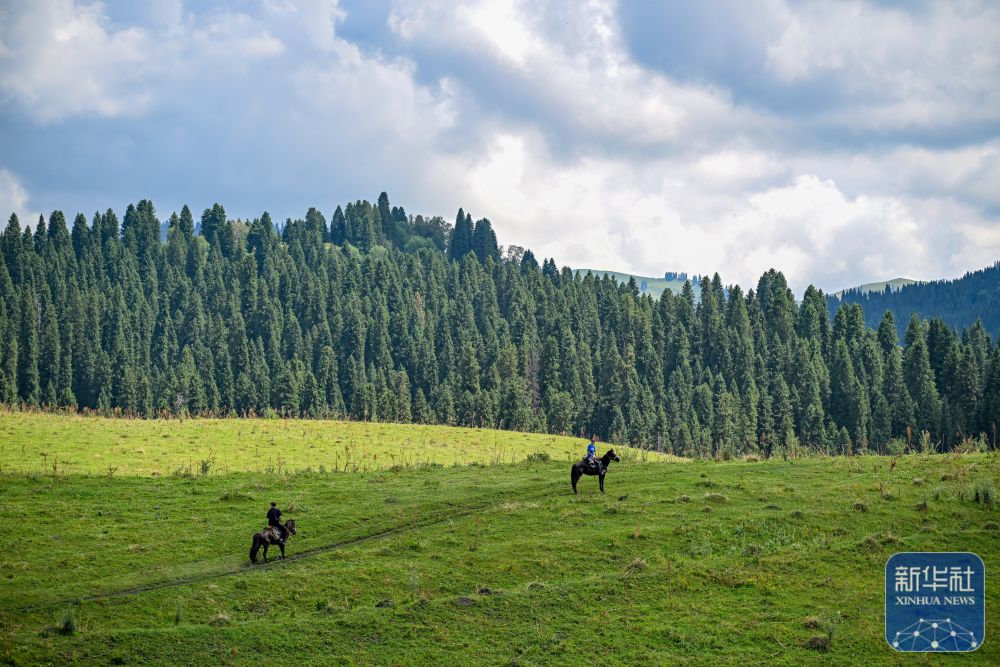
(269, 536)
(581, 468)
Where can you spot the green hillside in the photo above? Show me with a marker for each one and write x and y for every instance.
(777, 562)
(654, 286)
(39, 443)
(895, 284)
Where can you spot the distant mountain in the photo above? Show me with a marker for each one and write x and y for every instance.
(647, 284)
(895, 284)
(959, 302)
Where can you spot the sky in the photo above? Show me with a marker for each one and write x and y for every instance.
(839, 142)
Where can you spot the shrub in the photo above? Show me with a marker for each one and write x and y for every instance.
(684, 499)
(876, 541)
(983, 493)
(637, 565)
(538, 457)
(67, 626)
(860, 506)
(715, 498)
(818, 643)
(895, 447)
(323, 605)
(219, 620)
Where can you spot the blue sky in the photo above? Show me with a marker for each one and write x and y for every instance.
(841, 142)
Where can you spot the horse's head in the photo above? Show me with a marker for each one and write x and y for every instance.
(611, 456)
(290, 525)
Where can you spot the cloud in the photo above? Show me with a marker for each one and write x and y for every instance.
(60, 59)
(565, 64)
(14, 199)
(839, 142)
(836, 73)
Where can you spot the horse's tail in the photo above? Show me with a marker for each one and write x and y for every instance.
(255, 547)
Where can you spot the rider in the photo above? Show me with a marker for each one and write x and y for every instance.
(274, 521)
(591, 457)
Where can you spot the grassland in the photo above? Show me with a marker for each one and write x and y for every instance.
(896, 284)
(487, 563)
(654, 286)
(87, 445)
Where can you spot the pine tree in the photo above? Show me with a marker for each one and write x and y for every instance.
(460, 243)
(484, 241)
(920, 379)
(28, 380)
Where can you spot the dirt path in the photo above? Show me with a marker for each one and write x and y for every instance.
(443, 516)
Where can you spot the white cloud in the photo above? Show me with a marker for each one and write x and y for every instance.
(579, 72)
(901, 66)
(14, 199)
(61, 59)
(657, 216)
(235, 38)
(538, 117)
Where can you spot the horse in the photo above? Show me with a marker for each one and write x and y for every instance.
(581, 468)
(269, 536)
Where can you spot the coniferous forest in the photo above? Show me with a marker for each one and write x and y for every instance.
(382, 315)
(959, 302)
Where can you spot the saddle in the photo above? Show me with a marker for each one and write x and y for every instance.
(593, 465)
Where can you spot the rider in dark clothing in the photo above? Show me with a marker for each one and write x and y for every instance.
(274, 520)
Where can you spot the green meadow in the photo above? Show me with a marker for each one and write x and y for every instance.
(31, 442)
(467, 548)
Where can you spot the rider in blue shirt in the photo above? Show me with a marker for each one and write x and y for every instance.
(591, 457)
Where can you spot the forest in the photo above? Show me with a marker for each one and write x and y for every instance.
(959, 302)
(384, 316)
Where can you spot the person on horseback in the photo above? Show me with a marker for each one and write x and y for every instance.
(591, 457)
(274, 521)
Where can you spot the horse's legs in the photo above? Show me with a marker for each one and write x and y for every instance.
(574, 478)
(282, 545)
(602, 483)
(265, 551)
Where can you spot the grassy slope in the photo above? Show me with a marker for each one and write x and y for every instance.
(669, 581)
(75, 444)
(654, 286)
(896, 284)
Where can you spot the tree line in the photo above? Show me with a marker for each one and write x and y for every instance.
(959, 302)
(382, 315)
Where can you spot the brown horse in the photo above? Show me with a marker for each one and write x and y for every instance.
(269, 536)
